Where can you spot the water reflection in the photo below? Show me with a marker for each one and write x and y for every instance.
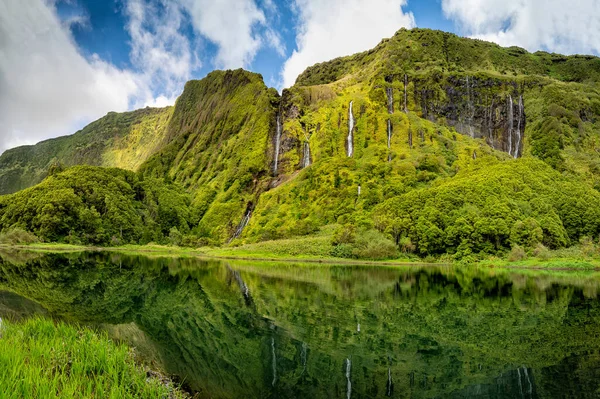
(263, 330)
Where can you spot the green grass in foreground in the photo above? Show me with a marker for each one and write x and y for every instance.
(43, 359)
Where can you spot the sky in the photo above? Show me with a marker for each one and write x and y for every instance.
(65, 63)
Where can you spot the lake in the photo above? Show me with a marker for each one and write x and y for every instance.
(233, 329)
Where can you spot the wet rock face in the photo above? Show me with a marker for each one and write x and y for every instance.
(486, 108)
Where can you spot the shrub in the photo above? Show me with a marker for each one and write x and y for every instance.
(541, 252)
(344, 235)
(517, 253)
(342, 251)
(175, 237)
(18, 236)
(371, 244)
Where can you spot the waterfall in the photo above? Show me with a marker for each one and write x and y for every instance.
(405, 86)
(359, 190)
(274, 361)
(349, 385)
(388, 391)
(517, 147)
(510, 123)
(277, 143)
(243, 223)
(491, 124)
(519, 380)
(358, 327)
(390, 96)
(304, 356)
(306, 156)
(470, 109)
(530, 389)
(350, 129)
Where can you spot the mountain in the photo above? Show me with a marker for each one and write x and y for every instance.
(369, 142)
(122, 140)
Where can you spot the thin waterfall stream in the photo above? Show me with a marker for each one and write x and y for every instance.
(350, 129)
(349, 384)
(277, 143)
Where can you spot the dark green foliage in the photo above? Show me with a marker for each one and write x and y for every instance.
(92, 205)
(491, 207)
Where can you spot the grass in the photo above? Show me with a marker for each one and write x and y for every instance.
(317, 249)
(43, 359)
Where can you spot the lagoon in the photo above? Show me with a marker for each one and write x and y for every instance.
(232, 329)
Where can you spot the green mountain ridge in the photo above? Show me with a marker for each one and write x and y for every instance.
(117, 140)
(421, 113)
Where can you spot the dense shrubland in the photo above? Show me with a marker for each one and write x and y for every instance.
(91, 205)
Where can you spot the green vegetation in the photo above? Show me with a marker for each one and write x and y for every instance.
(492, 207)
(43, 359)
(92, 205)
(122, 140)
(438, 119)
(231, 328)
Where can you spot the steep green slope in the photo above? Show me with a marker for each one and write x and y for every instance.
(93, 205)
(122, 140)
(218, 147)
(426, 106)
(491, 206)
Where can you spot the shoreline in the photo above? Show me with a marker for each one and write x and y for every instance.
(556, 264)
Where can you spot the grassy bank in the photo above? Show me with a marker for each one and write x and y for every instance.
(43, 359)
(318, 249)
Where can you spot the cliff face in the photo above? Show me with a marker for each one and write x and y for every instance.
(219, 145)
(480, 107)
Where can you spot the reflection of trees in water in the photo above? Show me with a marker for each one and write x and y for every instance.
(248, 329)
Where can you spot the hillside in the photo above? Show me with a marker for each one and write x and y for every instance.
(122, 140)
(360, 143)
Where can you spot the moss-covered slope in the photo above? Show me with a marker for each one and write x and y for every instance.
(219, 146)
(122, 140)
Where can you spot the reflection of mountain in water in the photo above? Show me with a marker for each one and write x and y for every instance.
(255, 330)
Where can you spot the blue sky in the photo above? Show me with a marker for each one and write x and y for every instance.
(104, 33)
(65, 63)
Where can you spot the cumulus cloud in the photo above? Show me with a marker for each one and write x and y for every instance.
(555, 25)
(333, 28)
(46, 86)
(160, 52)
(235, 27)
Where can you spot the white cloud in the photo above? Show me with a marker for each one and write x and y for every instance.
(159, 50)
(334, 28)
(233, 25)
(46, 86)
(557, 25)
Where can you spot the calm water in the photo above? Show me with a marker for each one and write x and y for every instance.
(246, 330)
